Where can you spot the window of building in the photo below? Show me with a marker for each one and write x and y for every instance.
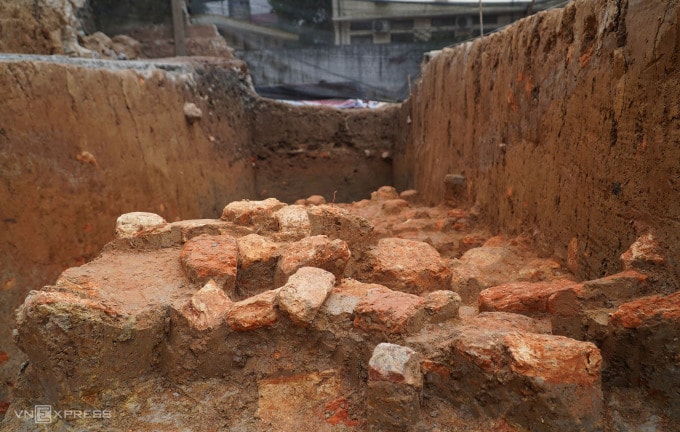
(361, 25)
(402, 24)
(402, 37)
(446, 21)
(361, 40)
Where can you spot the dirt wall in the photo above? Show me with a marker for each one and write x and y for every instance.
(81, 144)
(28, 27)
(84, 141)
(568, 122)
(301, 151)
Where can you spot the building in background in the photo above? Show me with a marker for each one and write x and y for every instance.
(239, 9)
(395, 21)
(368, 49)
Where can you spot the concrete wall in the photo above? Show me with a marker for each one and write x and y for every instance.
(567, 123)
(383, 70)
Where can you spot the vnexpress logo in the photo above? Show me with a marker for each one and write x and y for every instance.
(42, 414)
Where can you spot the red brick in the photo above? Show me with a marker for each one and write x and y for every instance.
(254, 312)
(648, 311)
(554, 359)
(255, 213)
(316, 251)
(389, 311)
(521, 297)
(407, 265)
(211, 257)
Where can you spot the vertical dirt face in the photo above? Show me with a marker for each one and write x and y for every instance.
(80, 143)
(83, 141)
(28, 27)
(342, 155)
(566, 122)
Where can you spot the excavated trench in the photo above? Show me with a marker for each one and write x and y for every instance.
(521, 276)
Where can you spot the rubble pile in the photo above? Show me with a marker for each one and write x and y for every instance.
(377, 315)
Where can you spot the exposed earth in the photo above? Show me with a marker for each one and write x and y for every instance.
(160, 270)
(383, 314)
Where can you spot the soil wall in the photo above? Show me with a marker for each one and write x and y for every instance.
(84, 141)
(342, 154)
(567, 122)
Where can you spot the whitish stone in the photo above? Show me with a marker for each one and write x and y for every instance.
(192, 112)
(395, 363)
(129, 224)
(207, 307)
(257, 213)
(293, 221)
(305, 292)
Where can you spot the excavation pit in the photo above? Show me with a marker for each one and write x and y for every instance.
(528, 283)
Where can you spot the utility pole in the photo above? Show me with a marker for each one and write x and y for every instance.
(481, 19)
(178, 28)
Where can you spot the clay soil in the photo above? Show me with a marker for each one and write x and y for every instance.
(573, 159)
(274, 384)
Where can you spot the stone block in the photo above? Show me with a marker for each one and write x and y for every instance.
(554, 359)
(255, 213)
(521, 297)
(254, 312)
(207, 307)
(644, 254)
(293, 222)
(481, 268)
(394, 388)
(304, 293)
(211, 257)
(192, 112)
(132, 224)
(642, 349)
(507, 321)
(395, 363)
(192, 228)
(410, 195)
(338, 223)
(257, 260)
(338, 309)
(441, 306)
(407, 265)
(316, 251)
(395, 206)
(581, 311)
(384, 193)
(567, 377)
(388, 311)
